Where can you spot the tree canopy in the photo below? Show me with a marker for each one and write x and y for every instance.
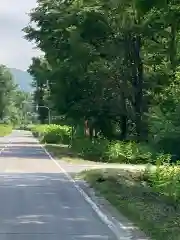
(115, 63)
(12, 100)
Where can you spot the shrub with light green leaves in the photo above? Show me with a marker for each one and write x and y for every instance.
(114, 151)
(95, 149)
(52, 133)
(39, 130)
(165, 180)
(129, 152)
(99, 149)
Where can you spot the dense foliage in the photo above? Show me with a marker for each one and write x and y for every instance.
(39, 70)
(113, 63)
(13, 109)
(99, 149)
(52, 133)
(7, 88)
(165, 180)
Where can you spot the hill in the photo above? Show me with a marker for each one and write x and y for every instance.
(22, 78)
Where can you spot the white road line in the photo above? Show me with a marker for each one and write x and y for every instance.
(5, 146)
(2, 149)
(94, 206)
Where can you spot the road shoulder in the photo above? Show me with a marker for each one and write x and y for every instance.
(125, 227)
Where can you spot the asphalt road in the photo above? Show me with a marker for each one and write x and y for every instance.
(37, 201)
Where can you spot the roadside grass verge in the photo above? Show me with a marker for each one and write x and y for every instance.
(5, 130)
(63, 152)
(98, 149)
(153, 212)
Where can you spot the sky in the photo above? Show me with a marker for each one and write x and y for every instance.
(15, 52)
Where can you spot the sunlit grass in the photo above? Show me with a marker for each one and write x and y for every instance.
(151, 209)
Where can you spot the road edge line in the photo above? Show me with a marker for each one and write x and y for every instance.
(6, 145)
(93, 205)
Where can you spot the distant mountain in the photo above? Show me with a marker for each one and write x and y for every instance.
(22, 78)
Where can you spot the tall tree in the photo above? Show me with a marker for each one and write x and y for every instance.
(40, 71)
(110, 61)
(6, 89)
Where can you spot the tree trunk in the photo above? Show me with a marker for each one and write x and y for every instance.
(86, 128)
(123, 117)
(137, 66)
(123, 126)
(172, 47)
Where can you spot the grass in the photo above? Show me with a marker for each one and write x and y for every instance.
(5, 130)
(63, 152)
(98, 149)
(132, 196)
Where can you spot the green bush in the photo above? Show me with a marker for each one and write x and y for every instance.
(95, 149)
(100, 149)
(57, 134)
(52, 133)
(114, 151)
(164, 131)
(5, 130)
(39, 130)
(165, 180)
(129, 152)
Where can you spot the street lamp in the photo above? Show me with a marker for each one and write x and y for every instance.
(37, 106)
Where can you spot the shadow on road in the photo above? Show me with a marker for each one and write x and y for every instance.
(46, 205)
(24, 151)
